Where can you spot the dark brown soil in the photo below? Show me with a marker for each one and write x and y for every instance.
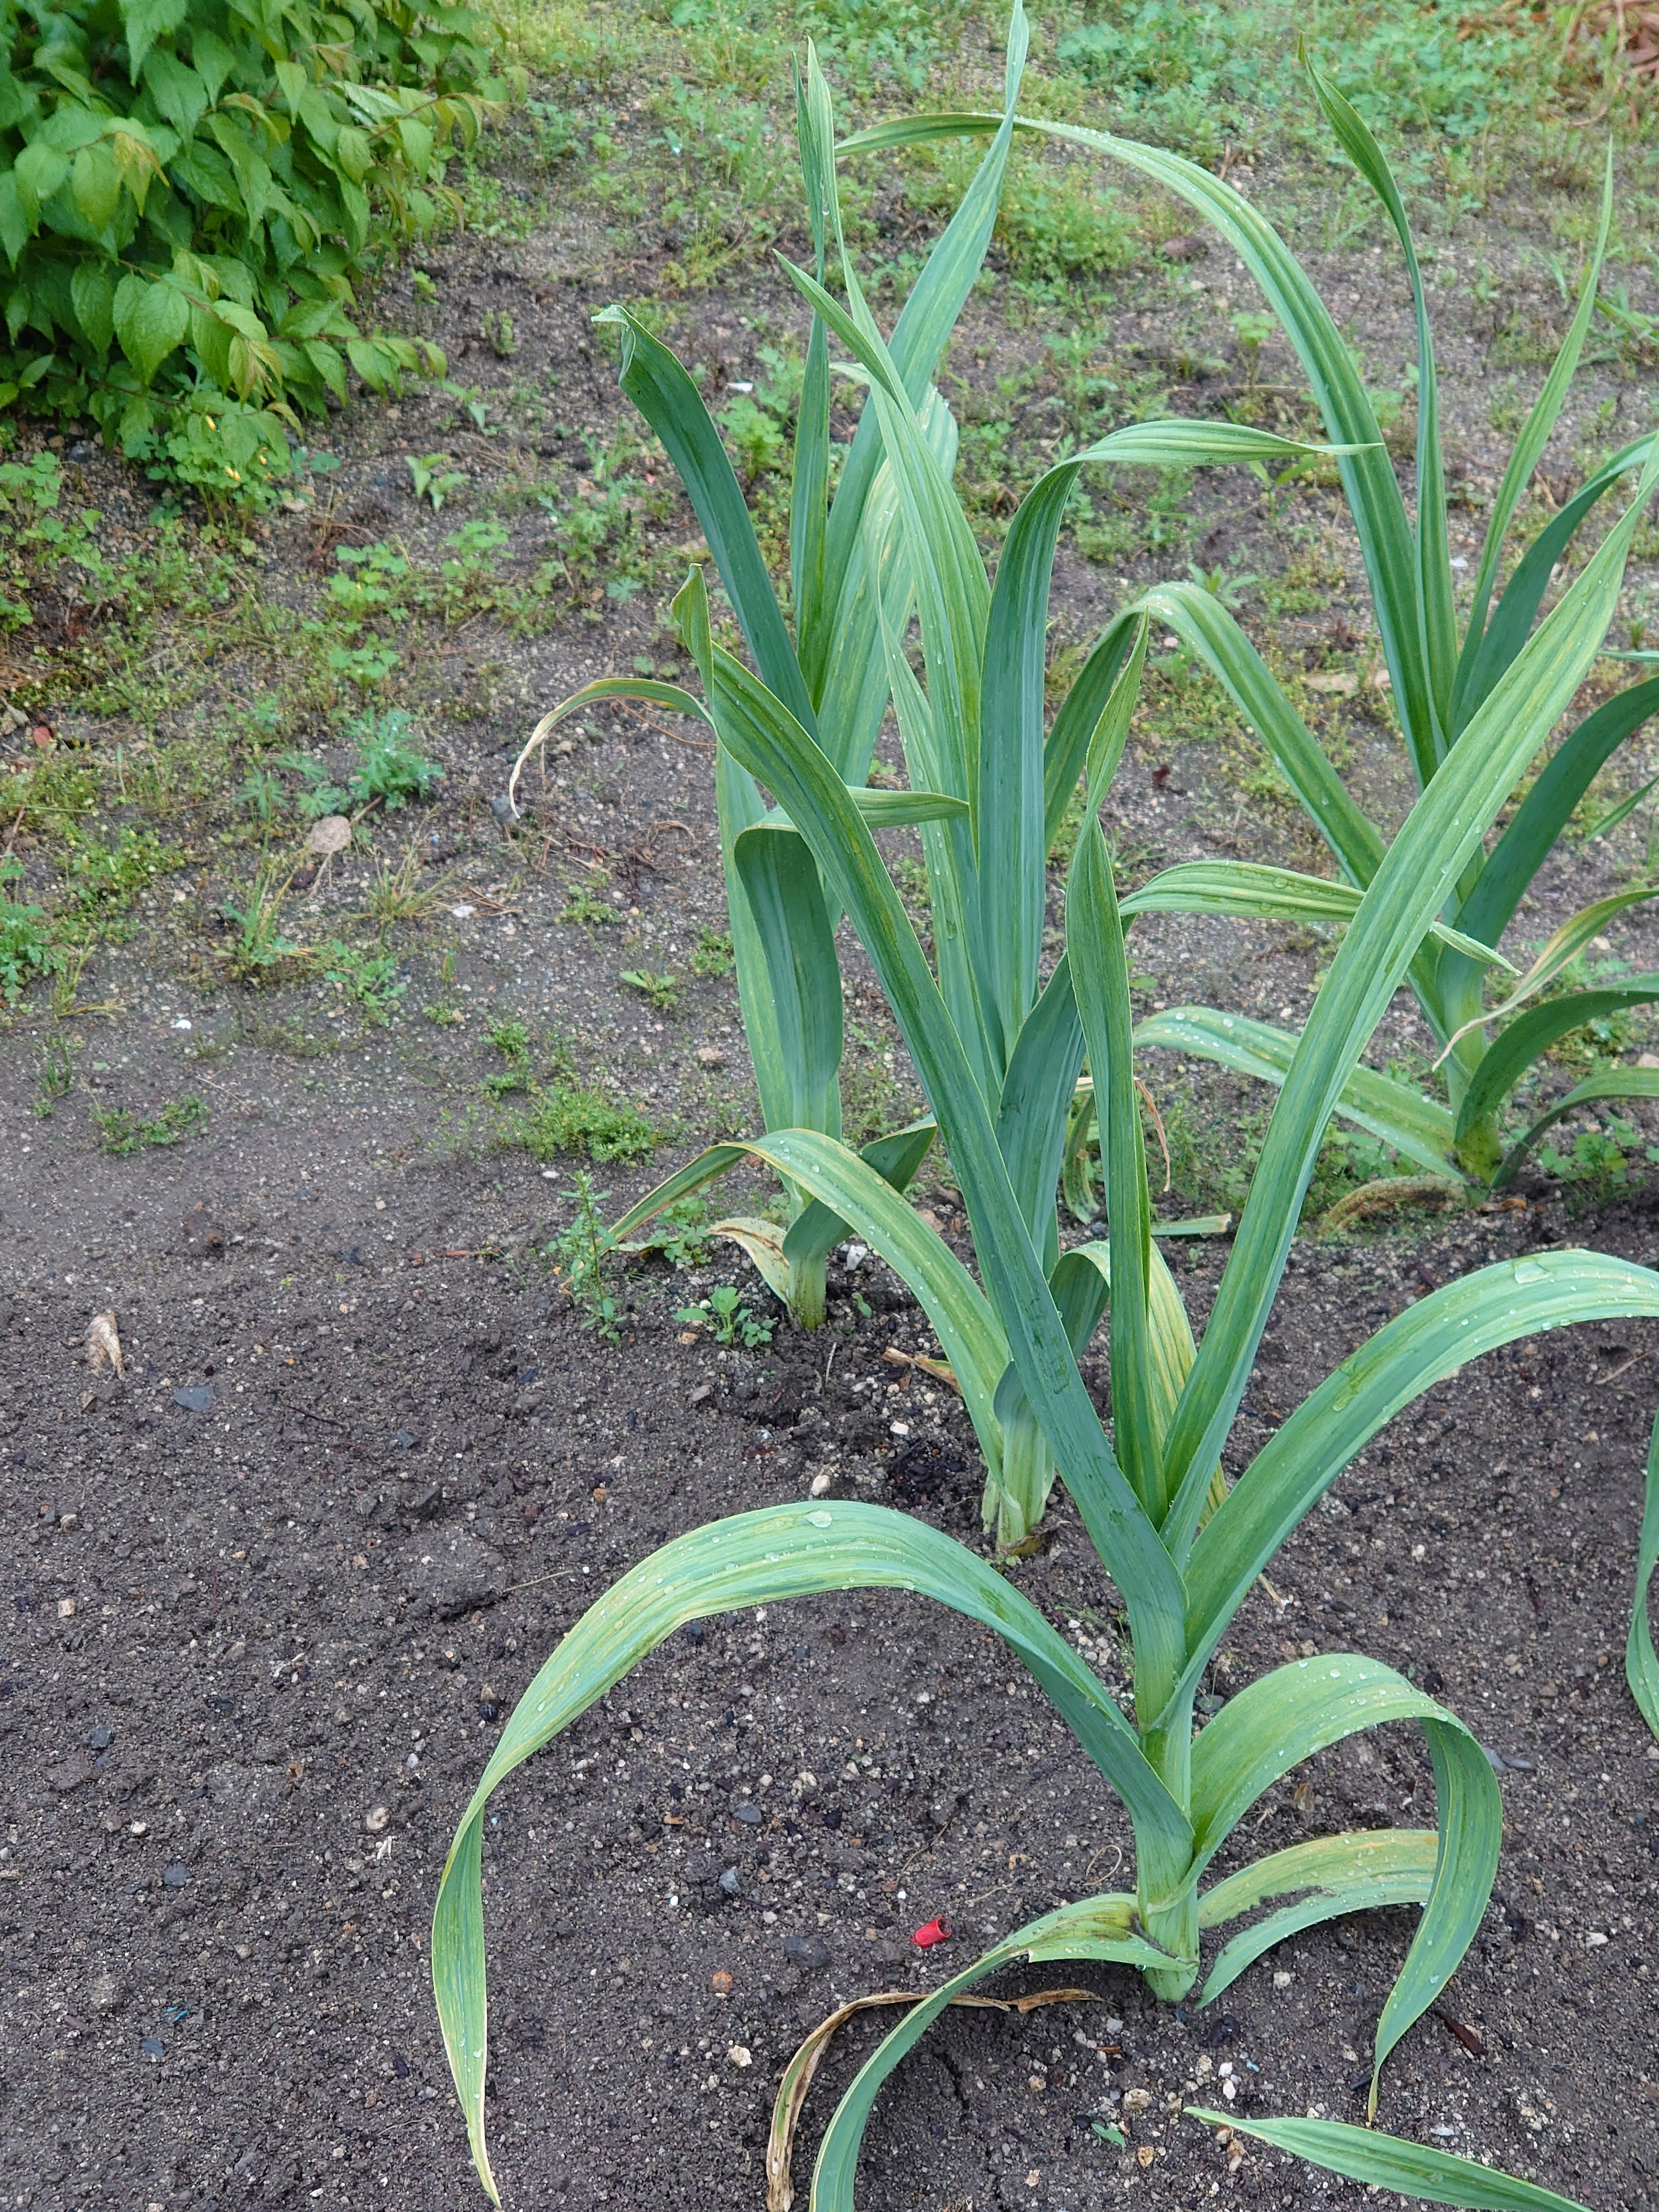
(240, 1631)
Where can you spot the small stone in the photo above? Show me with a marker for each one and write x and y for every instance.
(710, 1055)
(376, 1819)
(820, 1485)
(176, 1876)
(702, 1394)
(107, 1992)
(750, 1815)
(74, 1770)
(100, 1739)
(739, 2054)
(152, 2046)
(501, 807)
(195, 1397)
(565, 1928)
(732, 1882)
(721, 1983)
(810, 1952)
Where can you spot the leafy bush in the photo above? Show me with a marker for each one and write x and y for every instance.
(187, 189)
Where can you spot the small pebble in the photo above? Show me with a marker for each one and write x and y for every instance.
(176, 1877)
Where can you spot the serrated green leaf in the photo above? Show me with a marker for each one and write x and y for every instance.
(151, 320)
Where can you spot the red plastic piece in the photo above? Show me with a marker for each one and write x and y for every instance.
(936, 1931)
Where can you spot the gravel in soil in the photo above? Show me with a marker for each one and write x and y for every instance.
(274, 1590)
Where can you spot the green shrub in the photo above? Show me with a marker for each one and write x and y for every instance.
(188, 189)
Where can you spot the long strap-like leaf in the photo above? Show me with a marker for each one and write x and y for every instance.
(1100, 975)
(1527, 452)
(779, 751)
(673, 405)
(1434, 584)
(754, 1558)
(1096, 1928)
(1495, 1305)
(1386, 540)
(1286, 1716)
(1385, 2161)
(1417, 876)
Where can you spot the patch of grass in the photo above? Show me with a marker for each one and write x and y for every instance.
(54, 1081)
(258, 947)
(712, 953)
(567, 1116)
(511, 1039)
(123, 1133)
(583, 908)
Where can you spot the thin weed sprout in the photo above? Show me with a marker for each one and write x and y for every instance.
(998, 1037)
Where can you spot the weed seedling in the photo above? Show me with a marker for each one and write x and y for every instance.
(577, 1256)
(581, 907)
(435, 479)
(370, 978)
(259, 944)
(122, 1133)
(389, 768)
(55, 1080)
(27, 951)
(512, 1041)
(726, 1319)
(576, 1117)
(655, 984)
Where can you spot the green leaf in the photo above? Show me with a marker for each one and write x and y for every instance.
(1388, 2161)
(659, 387)
(147, 21)
(1548, 806)
(777, 750)
(1433, 1339)
(1524, 592)
(1205, 627)
(92, 289)
(891, 810)
(1606, 1082)
(1418, 1127)
(1434, 584)
(1297, 1709)
(786, 901)
(95, 186)
(151, 319)
(1374, 500)
(1100, 975)
(1328, 1877)
(754, 1559)
(1418, 874)
(1561, 950)
(1256, 892)
(1529, 451)
(816, 1232)
(37, 172)
(1641, 1660)
(1513, 1051)
(1098, 1928)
